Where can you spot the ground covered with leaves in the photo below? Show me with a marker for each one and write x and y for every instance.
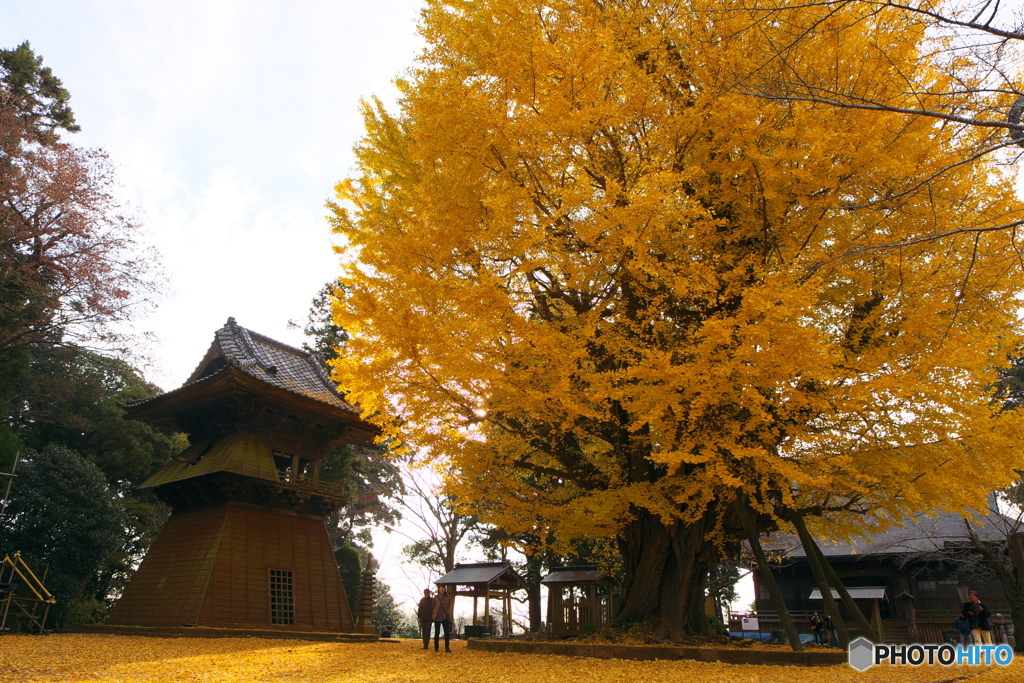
(645, 634)
(95, 658)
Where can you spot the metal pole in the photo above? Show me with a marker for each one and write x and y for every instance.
(7, 608)
(7, 494)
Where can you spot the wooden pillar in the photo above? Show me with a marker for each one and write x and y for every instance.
(487, 607)
(851, 606)
(474, 608)
(592, 599)
(295, 468)
(554, 607)
(877, 615)
(316, 470)
(507, 609)
(911, 619)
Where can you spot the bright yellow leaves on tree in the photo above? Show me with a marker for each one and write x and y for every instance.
(610, 286)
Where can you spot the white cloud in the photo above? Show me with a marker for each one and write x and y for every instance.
(229, 123)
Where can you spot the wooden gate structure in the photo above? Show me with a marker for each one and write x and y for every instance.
(579, 598)
(246, 545)
(487, 580)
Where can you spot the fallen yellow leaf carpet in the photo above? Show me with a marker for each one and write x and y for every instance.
(128, 659)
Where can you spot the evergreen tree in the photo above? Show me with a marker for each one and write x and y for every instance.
(67, 522)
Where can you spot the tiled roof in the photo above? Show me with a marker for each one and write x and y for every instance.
(582, 574)
(482, 573)
(916, 534)
(269, 361)
(247, 454)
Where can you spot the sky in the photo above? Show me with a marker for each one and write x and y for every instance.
(229, 123)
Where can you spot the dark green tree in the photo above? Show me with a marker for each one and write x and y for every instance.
(366, 472)
(75, 397)
(70, 271)
(372, 485)
(350, 566)
(66, 521)
(70, 276)
(390, 617)
(324, 337)
(33, 102)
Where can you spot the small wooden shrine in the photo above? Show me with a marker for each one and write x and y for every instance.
(246, 545)
(579, 598)
(487, 580)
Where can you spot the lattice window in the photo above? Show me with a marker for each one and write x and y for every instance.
(282, 597)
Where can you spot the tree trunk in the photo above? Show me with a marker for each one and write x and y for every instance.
(533, 575)
(535, 608)
(851, 606)
(766, 571)
(666, 571)
(819, 578)
(1015, 546)
(1011, 584)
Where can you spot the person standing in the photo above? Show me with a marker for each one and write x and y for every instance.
(830, 627)
(425, 613)
(975, 610)
(816, 629)
(963, 627)
(442, 617)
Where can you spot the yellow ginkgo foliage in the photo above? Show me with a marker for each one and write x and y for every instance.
(614, 291)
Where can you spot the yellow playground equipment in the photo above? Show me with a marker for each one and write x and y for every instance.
(34, 595)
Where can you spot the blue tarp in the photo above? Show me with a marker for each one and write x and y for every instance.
(764, 637)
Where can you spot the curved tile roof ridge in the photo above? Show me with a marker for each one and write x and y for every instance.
(313, 359)
(303, 372)
(204, 378)
(249, 343)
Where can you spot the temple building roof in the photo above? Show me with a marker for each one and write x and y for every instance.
(250, 455)
(268, 360)
(919, 533)
(240, 361)
(260, 416)
(580, 574)
(483, 574)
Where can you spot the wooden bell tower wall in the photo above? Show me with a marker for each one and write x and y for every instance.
(238, 566)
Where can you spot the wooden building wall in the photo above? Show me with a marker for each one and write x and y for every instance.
(212, 567)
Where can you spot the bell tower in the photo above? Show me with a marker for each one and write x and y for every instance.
(246, 545)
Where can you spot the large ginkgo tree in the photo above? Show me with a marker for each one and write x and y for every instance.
(625, 299)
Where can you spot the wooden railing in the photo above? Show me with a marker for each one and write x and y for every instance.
(933, 626)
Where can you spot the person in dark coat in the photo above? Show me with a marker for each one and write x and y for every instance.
(830, 628)
(975, 610)
(816, 629)
(425, 613)
(963, 627)
(442, 617)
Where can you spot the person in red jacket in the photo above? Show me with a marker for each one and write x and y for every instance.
(425, 613)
